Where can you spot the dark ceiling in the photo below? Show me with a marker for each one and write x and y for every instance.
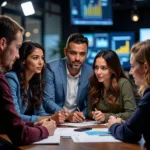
(117, 4)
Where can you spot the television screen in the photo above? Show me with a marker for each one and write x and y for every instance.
(121, 43)
(144, 34)
(97, 42)
(91, 12)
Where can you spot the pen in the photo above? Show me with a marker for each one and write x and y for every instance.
(80, 111)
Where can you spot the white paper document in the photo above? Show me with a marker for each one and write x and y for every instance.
(91, 139)
(50, 140)
(67, 132)
(82, 124)
(95, 136)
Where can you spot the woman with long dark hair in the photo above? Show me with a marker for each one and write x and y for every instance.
(110, 91)
(26, 81)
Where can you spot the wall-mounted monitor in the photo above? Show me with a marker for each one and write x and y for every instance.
(144, 34)
(91, 12)
(97, 42)
(121, 43)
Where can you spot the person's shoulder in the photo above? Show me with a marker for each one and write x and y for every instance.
(122, 80)
(2, 77)
(11, 74)
(87, 68)
(147, 93)
(145, 98)
(12, 77)
(3, 82)
(55, 63)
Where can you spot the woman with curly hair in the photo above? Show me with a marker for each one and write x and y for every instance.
(26, 81)
(110, 91)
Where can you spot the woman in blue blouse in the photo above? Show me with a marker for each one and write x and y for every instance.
(26, 81)
(139, 123)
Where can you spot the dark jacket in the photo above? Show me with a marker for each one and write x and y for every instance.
(137, 125)
(19, 132)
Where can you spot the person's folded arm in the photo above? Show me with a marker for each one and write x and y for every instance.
(12, 124)
(131, 130)
(29, 123)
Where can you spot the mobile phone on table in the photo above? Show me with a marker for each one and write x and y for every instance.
(82, 129)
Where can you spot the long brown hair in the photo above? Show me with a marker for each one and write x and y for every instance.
(36, 83)
(141, 52)
(97, 88)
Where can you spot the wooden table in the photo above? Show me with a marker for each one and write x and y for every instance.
(68, 144)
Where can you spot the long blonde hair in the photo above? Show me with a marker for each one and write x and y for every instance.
(141, 51)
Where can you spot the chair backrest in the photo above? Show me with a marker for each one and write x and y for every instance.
(6, 145)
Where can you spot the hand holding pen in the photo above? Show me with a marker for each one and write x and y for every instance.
(76, 116)
(80, 114)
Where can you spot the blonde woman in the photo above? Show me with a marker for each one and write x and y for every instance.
(139, 123)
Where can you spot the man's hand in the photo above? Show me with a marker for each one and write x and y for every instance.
(65, 113)
(50, 125)
(60, 116)
(76, 117)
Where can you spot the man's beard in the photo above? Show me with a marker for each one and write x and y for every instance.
(74, 66)
(8, 68)
(5, 69)
(5, 62)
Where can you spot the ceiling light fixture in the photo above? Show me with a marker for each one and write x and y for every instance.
(28, 8)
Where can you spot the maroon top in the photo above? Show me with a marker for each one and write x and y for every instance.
(19, 132)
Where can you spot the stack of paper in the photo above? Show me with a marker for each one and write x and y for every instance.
(94, 135)
(90, 139)
(82, 124)
(50, 140)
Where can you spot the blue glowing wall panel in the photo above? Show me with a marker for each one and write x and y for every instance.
(121, 43)
(91, 12)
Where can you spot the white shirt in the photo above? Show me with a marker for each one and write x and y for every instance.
(72, 89)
